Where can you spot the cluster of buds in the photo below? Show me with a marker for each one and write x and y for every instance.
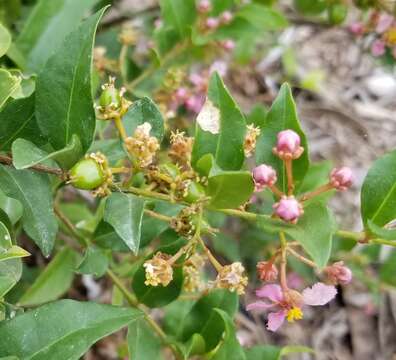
(232, 277)
(180, 148)
(142, 146)
(267, 271)
(128, 35)
(381, 29)
(338, 273)
(158, 270)
(112, 104)
(288, 148)
(173, 79)
(192, 273)
(184, 222)
(252, 133)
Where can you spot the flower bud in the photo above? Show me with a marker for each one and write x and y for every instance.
(228, 45)
(226, 17)
(288, 209)
(204, 6)
(158, 270)
(264, 175)
(378, 48)
(288, 145)
(212, 23)
(267, 271)
(110, 96)
(87, 174)
(341, 178)
(249, 145)
(338, 273)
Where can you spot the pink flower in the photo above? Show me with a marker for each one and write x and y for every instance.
(288, 145)
(228, 45)
(264, 175)
(204, 6)
(338, 273)
(194, 103)
(384, 22)
(226, 17)
(288, 209)
(181, 94)
(286, 306)
(198, 81)
(341, 178)
(356, 28)
(267, 271)
(378, 48)
(220, 66)
(212, 23)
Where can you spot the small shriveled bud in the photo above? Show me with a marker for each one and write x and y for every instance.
(267, 271)
(264, 175)
(158, 270)
(191, 271)
(251, 136)
(341, 178)
(232, 277)
(184, 222)
(288, 209)
(228, 45)
(338, 273)
(226, 17)
(212, 23)
(142, 146)
(180, 148)
(204, 6)
(288, 145)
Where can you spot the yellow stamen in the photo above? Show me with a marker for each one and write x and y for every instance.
(294, 313)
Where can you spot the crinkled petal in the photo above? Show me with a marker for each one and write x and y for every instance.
(276, 319)
(319, 294)
(259, 305)
(272, 292)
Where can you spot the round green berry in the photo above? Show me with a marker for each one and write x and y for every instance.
(337, 13)
(87, 174)
(110, 95)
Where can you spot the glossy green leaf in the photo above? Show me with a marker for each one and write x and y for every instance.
(95, 262)
(10, 273)
(13, 252)
(67, 74)
(46, 27)
(270, 352)
(106, 238)
(378, 196)
(5, 40)
(314, 231)
(8, 84)
(111, 148)
(262, 17)
(124, 212)
(282, 116)
(53, 281)
(17, 120)
(159, 296)
(388, 269)
(5, 238)
(227, 145)
(141, 111)
(179, 14)
(12, 207)
(203, 320)
(26, 86)
(38, 218)
(384, 233)
(143, 343)
(25, 154)
(71, 327)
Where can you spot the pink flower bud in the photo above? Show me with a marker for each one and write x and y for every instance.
(157, 23)
(204, 6)
(378, 48)
(288, 209)
(356, 28)
(181, 94)
(195, 103)
(267, 271)
(228, 45)
(341, 178)
(226, 17)
(264, 175)
(288, 145)
(338, 273)
(212, 23)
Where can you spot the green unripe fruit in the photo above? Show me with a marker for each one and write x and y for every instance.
(138, 180)
(310, 7)
(110, 95)
(195, 191)
(337, 13)
(87, 175)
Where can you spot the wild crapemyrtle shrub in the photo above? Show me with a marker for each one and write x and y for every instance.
(128, 167)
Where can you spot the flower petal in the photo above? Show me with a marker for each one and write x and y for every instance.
(259, 305)
(319, 294)
(276, 319)
(272, 292)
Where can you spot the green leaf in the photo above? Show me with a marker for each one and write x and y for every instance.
(17, 120)
(314, 231)
(95, 262)
(262, 17)
(67, 74)
(229, 349)
(47, 26)
(5, 238)
(26, 86)
(33, 190)
(270, 352)
(388, 269)
(8, 84)
(67, 329)
(143, 343)
(141, 111)
(230, 189)
(25, 154)
(159, 296)
(5, 40)
(202, 318)
(378, 196)
(179, 14)
(54, 281)
(10, 273)
(13, 252)
(227, 145)
(124, 212)
(106, 238)
(384, 233)
(12, 207)
(282, 116)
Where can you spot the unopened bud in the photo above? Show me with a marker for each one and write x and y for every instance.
(288, 145)
(204, 6)
(341, 178)
(338, 273)
(264, 175)
(267, 271)
(226, 17)
(288, 209)
(228, 45)
(212, 23)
